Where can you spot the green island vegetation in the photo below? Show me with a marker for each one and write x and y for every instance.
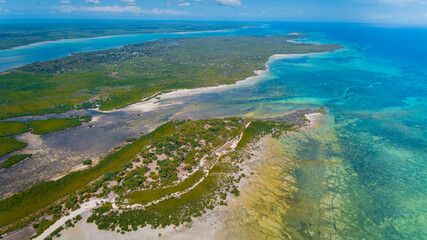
(87, 162)
(179, 157)
(11, 34)
(115, 78)
(8, 145)
(12, 160)
(51, 125)
(39, 127)
(150, 195)
(210, 192)
(10, 128)
(131, 140)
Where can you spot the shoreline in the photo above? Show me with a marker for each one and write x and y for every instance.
(153, 102)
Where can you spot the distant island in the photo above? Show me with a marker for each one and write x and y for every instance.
(20, 34)
(115, 78)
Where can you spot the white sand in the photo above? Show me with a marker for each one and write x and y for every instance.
(315, 120)
(171, 98)
(84, 207)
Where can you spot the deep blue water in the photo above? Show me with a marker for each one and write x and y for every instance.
(369, 180)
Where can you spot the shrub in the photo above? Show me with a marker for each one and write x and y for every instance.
(12, 160)
(87, 162)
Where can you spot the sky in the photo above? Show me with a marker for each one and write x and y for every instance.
(372, 11)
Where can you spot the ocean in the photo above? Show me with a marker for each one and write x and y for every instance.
(363, 173)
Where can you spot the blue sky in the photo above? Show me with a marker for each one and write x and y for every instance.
(378, 11)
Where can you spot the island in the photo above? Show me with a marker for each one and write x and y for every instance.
(169, 176)
(115, 78)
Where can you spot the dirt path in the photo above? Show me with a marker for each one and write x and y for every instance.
(87, 206)
(84, 207)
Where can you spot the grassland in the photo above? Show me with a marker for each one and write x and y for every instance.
(117, 77)
(12, 160)
(39, 127)
(8, 145)
(47, 126)
(42, 127)
(11, 128)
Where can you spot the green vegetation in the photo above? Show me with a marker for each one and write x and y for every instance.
(10, 128)
(86, 118)
(23, 204)
(47, 126)
(174, 149)
(12, 160)
(44, 224)
(259, 128)
(212, 191)
(117, 77)
(8, 145)
(146, 196)
(40, 127)
(321, 110)
(87, 162)
(51, 125)
(172, 211)
(18, 34)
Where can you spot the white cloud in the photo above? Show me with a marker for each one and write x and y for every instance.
(184, 4)
(398, 2)
(128, 1)
(157, 11)
(122, 9)
(65, 1)
(234, 3)
(111, 9)
(2, 1)
(92, 1)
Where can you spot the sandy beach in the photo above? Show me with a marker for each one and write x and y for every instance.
(173, 97)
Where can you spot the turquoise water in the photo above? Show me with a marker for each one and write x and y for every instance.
(19, 56)
(363, 175)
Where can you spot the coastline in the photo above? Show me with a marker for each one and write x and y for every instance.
(211, 225)
(187, 92)
(153, 102)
